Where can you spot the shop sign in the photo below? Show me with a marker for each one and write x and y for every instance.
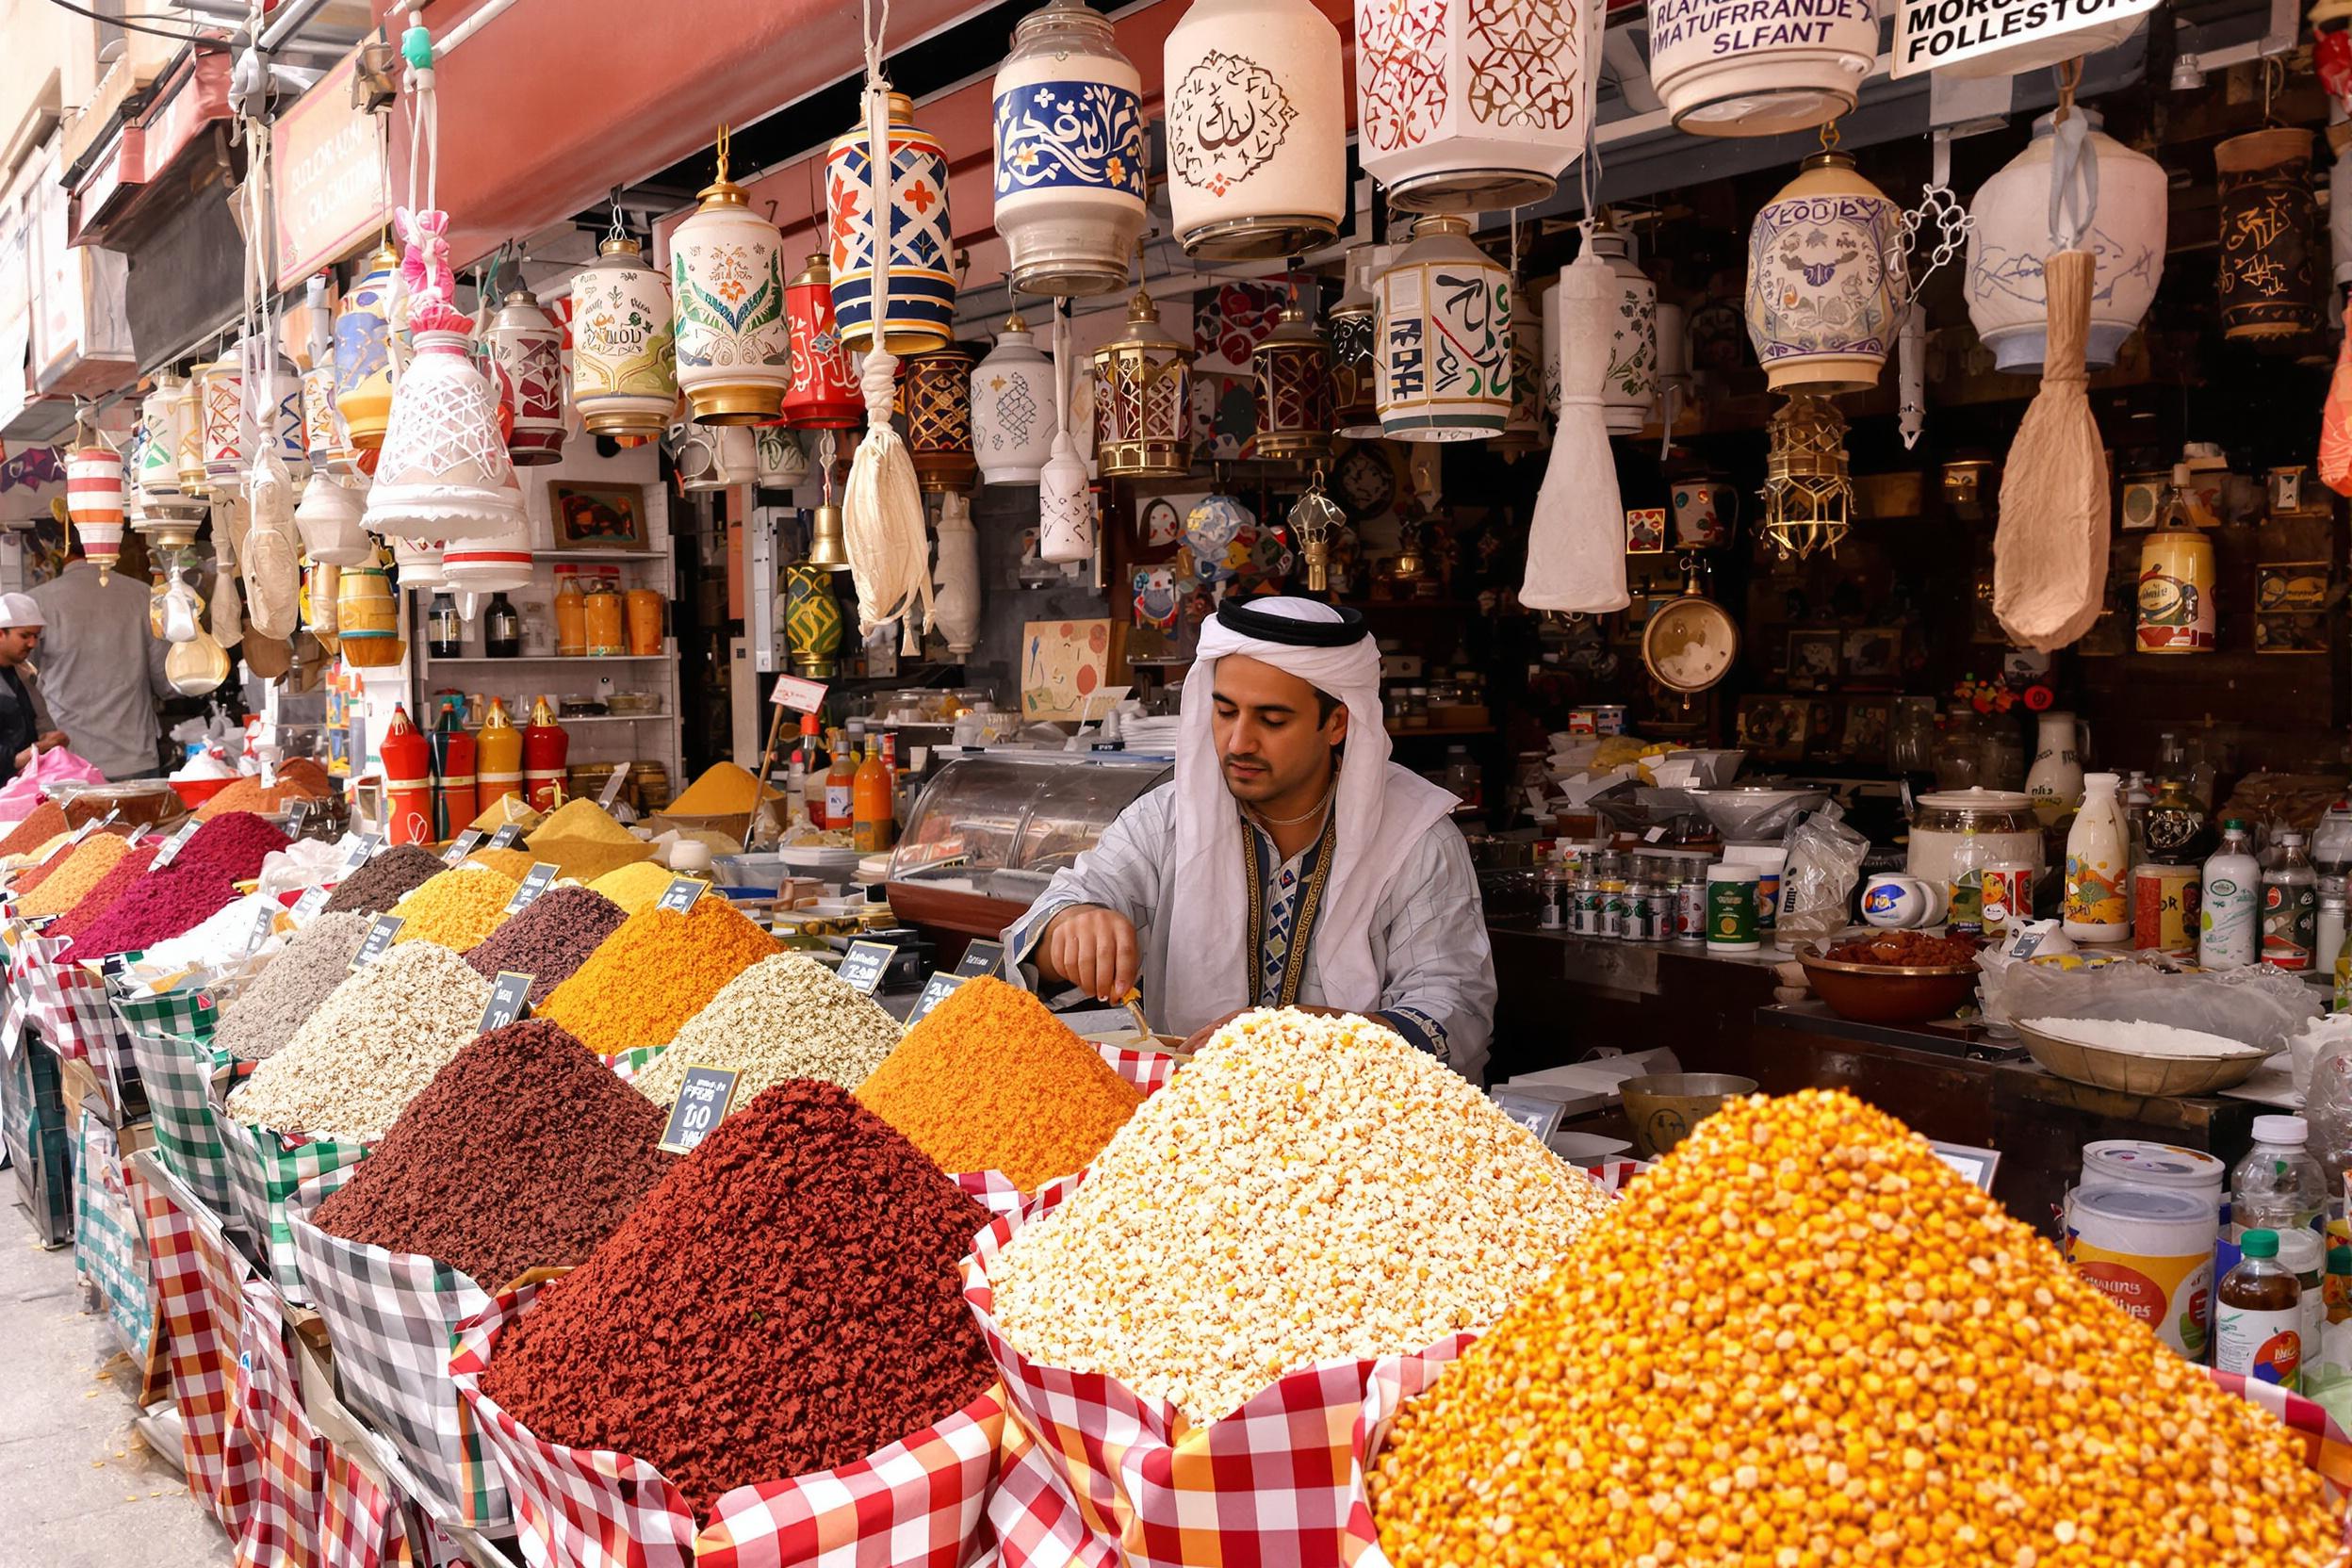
(379, 940)
(328, 158)
(1933, 33)
(702, 1103)
(980, 959)
(536, 881)
(865, 964)
(506, 1000)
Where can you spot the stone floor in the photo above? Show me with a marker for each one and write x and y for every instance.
(79, 1486)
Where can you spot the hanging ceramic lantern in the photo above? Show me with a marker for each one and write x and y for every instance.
(937, 389)
(1257, 154)
(268, 374)
(2268, 276)
(188, 424)
(443, 472)
(624, 357)
(812, 619)
(161, 417)
(1824, 279)
(1445, 337)
(1072, 161)
(419, 561)
(1724, 68)
(1143, 399)
(366, 617)
(1355, 374)
(2011, 234)
(328, 518)
(527, 349)
(1293, 366)
(1526, 429)
(783, 462)
(220, 394)
(322, 427)
(1463, 107)
(824, 394)
(93, 504)
(727, 274)
(492, 563)
(955, 608)
(713, 457)
(1012, 407)
(1629, 395)
(363, 351)
(921, 245)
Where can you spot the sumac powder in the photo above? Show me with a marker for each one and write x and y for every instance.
(785, 1301)
(235, 842)
(95, 903)
(526, 1150)
(549, 939)
(156, 907)
(385, 880)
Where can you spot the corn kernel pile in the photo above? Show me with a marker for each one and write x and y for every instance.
(1307, 1188)
(1804, 1341)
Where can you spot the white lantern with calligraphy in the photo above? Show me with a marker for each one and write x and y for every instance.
(1072, 161)
(1444, 338)
(1470, 104)
(1734, 68)
(1257, 154)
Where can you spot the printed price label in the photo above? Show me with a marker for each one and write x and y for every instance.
(797, 693)
(681, 893)
(461, 847)
(702, 1103)
(506, 1000)
(612, 786)
(296, 815)
(379, 940)
(541, 877)
(265, 920)
(172, 845)
(866, 963)
(504, 837)
(981, 959)
(935, 990)
(1538, 1116)
(362, 852)
(313, 900)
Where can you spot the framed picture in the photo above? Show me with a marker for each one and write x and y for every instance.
(2288, 632)
(1868, 721)
(1064, 665)
(1776, 728)
(1645, 530)
(597, 517)
(2292, 585)
(1875, 653)
(1813, 658)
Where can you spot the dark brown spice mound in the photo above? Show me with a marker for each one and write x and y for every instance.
(785, 1301)
(385, 880)
(526, 1149)
(549, 939)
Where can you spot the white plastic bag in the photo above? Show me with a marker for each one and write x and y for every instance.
(2260, 1007)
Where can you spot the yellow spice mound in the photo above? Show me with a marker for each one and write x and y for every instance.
(457, 908)
(581, 820)
(723, 790)
(1805, 1341)
(634, 887)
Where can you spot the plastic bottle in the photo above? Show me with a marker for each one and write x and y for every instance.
(870, 802)
(805, 772)
(2098, 865)
(2328, 946)
(2278, 1185)
(2290, 906)
(2257, 1317)
(1552, 911)
(497, 758)
(840, 784)
(2228, 923)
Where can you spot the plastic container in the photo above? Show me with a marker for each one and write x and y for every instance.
(2136, 1165)
(571, 613)
(2229, 915)
(2307, 1255)
(2279, 1185)
(645, 621)
(1731, 896)
(602, 611)
(2257, 1317)
(2098, 865)
(2290, 906)
(2150, 1252)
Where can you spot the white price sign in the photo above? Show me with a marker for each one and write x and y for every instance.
(1933, 33)
(799, 694)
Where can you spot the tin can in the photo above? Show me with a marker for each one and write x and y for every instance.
(2005, 895)
(2164, 902)
(1610, 719)
(1582, 721)
(1691, 912)
(1731, 908)
(1585, 908)
(1614, 907)
(1964, 903)
(1651, 911)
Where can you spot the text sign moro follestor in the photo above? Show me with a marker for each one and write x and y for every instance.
(1933, 33)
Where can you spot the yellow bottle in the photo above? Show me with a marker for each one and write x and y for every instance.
(497, 758)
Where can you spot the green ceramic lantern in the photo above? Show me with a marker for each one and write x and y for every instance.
(813, 618)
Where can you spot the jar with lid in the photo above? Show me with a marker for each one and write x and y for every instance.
(444, 632)
(645, 621)
(1956, 831)
(1553, 914)
(571, 615)
(602, 613)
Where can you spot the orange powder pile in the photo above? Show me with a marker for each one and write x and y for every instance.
(659, 968)
(300, 779)
(991, 1081)
(506, 863)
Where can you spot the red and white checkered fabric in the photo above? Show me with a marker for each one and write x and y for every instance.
(1393, 1380)
(37, 978)
(200, 1280)
(917, 1503)
(1147, 1071)
(358, 1524)
(290, 1457)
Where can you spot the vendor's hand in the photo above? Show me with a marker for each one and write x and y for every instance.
(1093, 949)
(1199, 1037)
(25, 757)
(51, 741)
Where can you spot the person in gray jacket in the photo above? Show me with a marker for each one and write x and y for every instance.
(102, 667)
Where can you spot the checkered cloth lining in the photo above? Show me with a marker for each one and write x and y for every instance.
(69, 1005)
(34, 1130)
(392, 1317)
(630, 1063)
(264, 1171)
(358, 1525)
(1270, 1482)
(917, 1503)
(109, 1248)
(191, 1012)
(1147, 1071)
(176, 1072)
(289, 1457)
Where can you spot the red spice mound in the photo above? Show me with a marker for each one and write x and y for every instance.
(785, 1301)
(526, 1150)
(42, 824)
(154, 909)
(235, 844)
(102, 897)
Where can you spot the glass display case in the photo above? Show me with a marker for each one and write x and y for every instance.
(999, 824)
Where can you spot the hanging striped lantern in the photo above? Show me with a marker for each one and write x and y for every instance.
(1293, 367)
(937, 391)
(528, 350)
(825, 393)
(93, 504)
(920, 248)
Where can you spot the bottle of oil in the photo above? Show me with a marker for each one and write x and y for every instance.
(2258, 1315)
(841, 783)
(870, 802)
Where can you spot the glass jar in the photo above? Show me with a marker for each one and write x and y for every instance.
(1960, 749)
(444, 632)
(571, 615)
(602, 613)
(645, 621)
(501, 630)
(1957, 831)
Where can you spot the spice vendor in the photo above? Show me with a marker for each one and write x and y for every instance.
(27, 729)
(1288, 863)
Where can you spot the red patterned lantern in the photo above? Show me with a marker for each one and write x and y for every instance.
(825, 393)
(526, 348)
(1294, 372)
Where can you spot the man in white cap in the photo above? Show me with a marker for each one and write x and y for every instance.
(1289, 863)
(26, 728)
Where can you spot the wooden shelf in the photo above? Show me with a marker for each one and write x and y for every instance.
(557, 558)
(611, 718)
(584, 662)
(1420, 729)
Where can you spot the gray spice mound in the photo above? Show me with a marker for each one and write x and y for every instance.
(385, 880)
(290, 987)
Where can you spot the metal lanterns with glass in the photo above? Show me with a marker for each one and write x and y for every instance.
(1143, 399)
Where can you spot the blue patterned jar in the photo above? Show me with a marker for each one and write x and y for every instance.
(920, 248)
(1070, 158)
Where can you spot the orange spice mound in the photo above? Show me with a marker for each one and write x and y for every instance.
(991, 1081)
(506, 863)
(657, 971)
(300, 779)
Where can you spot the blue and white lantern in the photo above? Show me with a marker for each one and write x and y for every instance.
(1070, 159)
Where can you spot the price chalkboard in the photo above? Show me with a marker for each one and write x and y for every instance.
(613, 786)
(362, 851)
(702, 1103)
(379, 940)
(307, 907)
(541, 877)
(981, 959)
(681, 893)
(866, 964)
(935, 990)
(506, 1000)
(504, 837)
(172, 845)
(462, 846)
(296, 815)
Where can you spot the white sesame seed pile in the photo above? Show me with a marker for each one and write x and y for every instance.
(785, 1017)
(1307, 1188)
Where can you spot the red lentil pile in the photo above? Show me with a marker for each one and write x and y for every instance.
(526, 1150)
(550, 939)
(785, 1301)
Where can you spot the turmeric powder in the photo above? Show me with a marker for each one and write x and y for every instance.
(991, 1081)
(457, 908)
(634, 887)
(507, 862)
(659, 968)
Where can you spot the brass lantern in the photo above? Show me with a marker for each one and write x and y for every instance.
(1294, 372)
(938, 395)
(1143, 399)
(1808, 497)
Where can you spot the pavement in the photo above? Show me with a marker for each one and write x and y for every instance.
(79, 1488)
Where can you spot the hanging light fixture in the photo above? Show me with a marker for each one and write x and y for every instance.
(1355, 371)
(624, 356)
(419, 563)
(1629, 395)
(713, 457)
(443, 472)
(828, 545)
(328, 518)
(812, 619)
(1807, 497)
(265, 371)
(824, 394)
(1445, 337)
(1826, 273)
(492, 563)
(1065, 512)
(1526, 429)
(956, 609)
(1293, 366)
(1257, 155)
(1071, 160)
(1143, 399)
(783, 462)
(937, 391)
(2268, 276)
(322, 432)
(527, 349)
(363, 351)
(727, 274)
(921, 245)
(1012, 407)
(1722, 73)
(188, 427)
(161, 418)
(94, 502)
(220, 394)
(1463, 107)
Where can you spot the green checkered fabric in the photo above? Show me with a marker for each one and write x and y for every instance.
(630, 1063)
(189, 1013)
(178, 1073)
(110, 1243)
(33, 1125)
(263, 1172)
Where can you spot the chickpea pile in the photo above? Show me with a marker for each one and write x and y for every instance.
(1804, 1341)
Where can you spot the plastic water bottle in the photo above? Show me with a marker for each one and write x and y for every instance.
(2278, 1186)
(2230, 926)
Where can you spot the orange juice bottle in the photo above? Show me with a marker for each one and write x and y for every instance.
(870, 802)
(840, 784)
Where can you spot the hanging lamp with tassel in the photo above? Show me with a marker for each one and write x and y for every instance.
(958, 606)
(1065, 503)
(271, 551)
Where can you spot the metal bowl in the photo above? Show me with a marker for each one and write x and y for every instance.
(2129, 1072)
(1889, 993)
(1664, 1106)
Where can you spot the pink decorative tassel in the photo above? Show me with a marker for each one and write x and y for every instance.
(425, 271)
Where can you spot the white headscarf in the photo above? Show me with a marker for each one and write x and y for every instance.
(1381, 808)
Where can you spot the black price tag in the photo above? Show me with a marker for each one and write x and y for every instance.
(612, 786)
(681, 893)
(702, 1103)
(935, 990)
(296, 815)
(379, 940)
(504, 837)
(541, 879)
(172, 845)
(462, 846)
(980, 959)
(313, 900)
(506, 1000)
(362, 852)
(866, 963)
